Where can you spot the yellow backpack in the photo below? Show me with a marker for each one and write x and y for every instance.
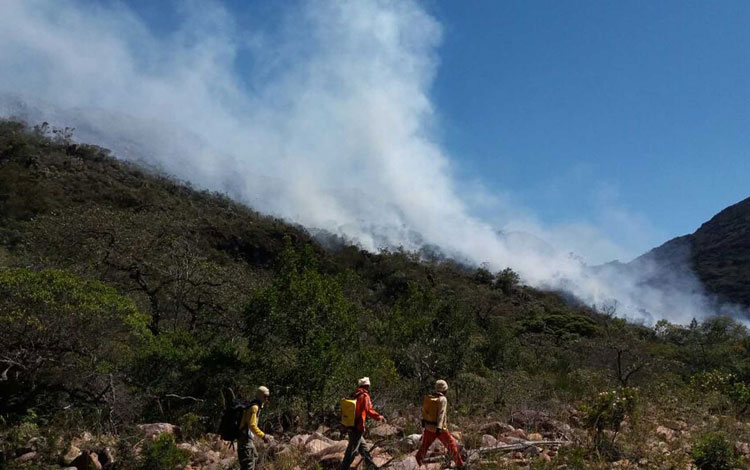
(348, 411)
(430, 407)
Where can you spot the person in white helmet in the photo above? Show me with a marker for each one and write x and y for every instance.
(247, 454)
(439, 428)
(356, 440)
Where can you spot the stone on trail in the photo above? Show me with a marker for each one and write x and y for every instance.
(488, 441)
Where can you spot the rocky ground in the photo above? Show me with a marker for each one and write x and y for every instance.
(524, 441)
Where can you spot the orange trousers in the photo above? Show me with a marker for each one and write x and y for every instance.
(428, 437)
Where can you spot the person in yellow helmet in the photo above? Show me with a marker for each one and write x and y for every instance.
(247, 454)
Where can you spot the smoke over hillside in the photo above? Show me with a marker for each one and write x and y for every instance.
(324, 119)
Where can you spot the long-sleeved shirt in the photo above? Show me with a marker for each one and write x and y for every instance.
(442, 415)
(364, 409)
(250, 421)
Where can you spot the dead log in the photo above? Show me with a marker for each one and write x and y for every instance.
(505, 448)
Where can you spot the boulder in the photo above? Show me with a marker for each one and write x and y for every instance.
(319, 436)
(339, 447)
(87, 461)
(384, 431)
(410, 442)
(496, 427)
(519, 433)
(534, 436)
(152, 430)
(27, 457)
(323, 429)
(409, 463)
(70, 455)
(315, 446)
(299, 440)
(489, 441)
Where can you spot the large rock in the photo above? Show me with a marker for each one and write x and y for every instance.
(384, 431)
(317, 435)
(152, 430)
(315, 446)
(409, 463)
(488, 441)
(27, 457)
(299, 440)
(335, 448)
(410, 442)
(87, 461)
(496, 427)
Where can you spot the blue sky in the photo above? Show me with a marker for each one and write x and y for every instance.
(553, 99)
(558, 102)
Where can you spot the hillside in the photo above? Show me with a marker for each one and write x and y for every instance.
(718, 253)
(127, 298)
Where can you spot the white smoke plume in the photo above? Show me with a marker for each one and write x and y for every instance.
(329, 124)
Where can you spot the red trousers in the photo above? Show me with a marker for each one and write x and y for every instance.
(428, 437)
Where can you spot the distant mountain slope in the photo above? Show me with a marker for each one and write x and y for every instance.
(718, 253)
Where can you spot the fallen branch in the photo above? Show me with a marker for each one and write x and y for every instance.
(505, 448)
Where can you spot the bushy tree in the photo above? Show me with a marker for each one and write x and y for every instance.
(63, 338)
(301, 331)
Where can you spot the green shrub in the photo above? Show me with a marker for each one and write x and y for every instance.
(192, 425)
(713, 451)
(606, 411)
(162, 454)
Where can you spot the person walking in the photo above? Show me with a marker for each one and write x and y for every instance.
(434, 420)
(357, 442)
(247, 454)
